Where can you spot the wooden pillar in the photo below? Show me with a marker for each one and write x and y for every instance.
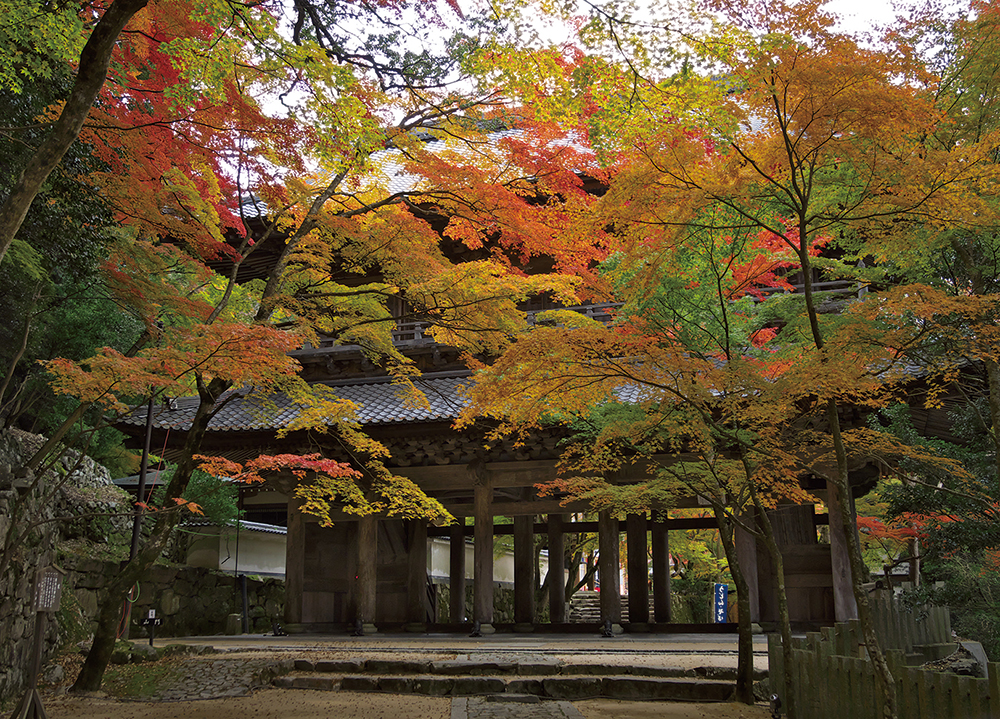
(557, 574)
(638, 570)
(746, 555)
(844, 606)
(456, 571)
(295, 562)
(660, 540)
(416, 575)
(608, 566)
(367, 571)
(482, 580)
(524, 573)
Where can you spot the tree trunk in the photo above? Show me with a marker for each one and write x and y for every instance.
(93, 70)
(784, 624)
(744, 665)
(883, 676)
(92, 671)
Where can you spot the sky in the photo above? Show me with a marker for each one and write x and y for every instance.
(860, 15)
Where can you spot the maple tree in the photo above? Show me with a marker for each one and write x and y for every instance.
(802, 155)
(187, 148)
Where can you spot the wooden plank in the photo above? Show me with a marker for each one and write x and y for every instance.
(895, 659)
(857, 690)
(993, 687)
(845, 607)
(924, 694)
(808, 581)
(978, 695)
(776, 665)
(746, 554)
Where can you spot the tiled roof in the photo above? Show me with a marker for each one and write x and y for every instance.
(244, 525)
(379, 403)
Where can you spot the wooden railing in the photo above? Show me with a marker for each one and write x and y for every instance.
(833, 678)
(415, 334)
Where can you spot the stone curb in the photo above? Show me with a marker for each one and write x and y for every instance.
(460, 667)
(564, 688)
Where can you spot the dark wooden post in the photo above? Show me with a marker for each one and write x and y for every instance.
(295, 558)
(367, 572)
(557, 574)
(844, 606)
(482, 580)
(524, 573)
(416, 576)
(660, 541)
(746, 554)
(608, 566)
(638, 570)
(456, 571)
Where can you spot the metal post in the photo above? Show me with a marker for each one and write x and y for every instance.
(246, 612)
(139, 499)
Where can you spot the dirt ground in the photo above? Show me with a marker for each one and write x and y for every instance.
(302, 704)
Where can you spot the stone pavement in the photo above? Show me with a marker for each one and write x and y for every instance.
(214, 676)
(239, 664)
(511, 708)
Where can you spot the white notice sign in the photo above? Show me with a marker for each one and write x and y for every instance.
(48, 589)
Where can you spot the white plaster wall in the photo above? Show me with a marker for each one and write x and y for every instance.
(259, 552)
(439, 562)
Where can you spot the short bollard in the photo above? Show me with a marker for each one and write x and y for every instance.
(151, 621)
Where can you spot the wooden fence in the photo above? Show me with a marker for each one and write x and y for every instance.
(832, 677)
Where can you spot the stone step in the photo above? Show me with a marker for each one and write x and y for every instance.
(478, 668)
(585, 608)
(562, 687)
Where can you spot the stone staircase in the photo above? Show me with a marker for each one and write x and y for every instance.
(542, 677)
(585, 608)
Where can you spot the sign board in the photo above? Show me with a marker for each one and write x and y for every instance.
(48, 589)
(151, 622)
(721, 604)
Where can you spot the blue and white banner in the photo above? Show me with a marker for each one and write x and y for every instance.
(721, 603)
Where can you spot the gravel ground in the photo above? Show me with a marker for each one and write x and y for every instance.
(301, 704)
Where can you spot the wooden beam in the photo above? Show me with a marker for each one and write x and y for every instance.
(295, 558)
(660, 549)
(638, 569)
(483, 555)
(557, 574)
(524, 571)
(367, 571)
(499, 530)
(526, 473)
(416, 573)
(608, 564)
(456, 571)
(518, 509)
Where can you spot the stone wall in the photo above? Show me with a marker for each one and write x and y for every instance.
(35, 550)
(191, 601)
(75, 503)
(74, 497)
